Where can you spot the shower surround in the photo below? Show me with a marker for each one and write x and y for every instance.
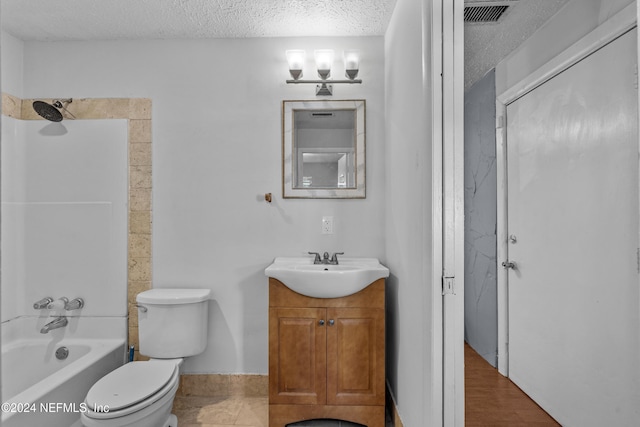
(137, 112)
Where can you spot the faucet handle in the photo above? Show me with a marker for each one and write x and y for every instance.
(74, 304)
(316, 260)
(42, 304)
(334, 257)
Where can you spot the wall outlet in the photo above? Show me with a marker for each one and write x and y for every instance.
(327, 225)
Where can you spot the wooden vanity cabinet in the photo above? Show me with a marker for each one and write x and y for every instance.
(326, 356)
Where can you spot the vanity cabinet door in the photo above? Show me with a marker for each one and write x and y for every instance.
(355, 356)
(297, 357)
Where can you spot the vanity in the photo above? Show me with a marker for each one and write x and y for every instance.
(327, 341)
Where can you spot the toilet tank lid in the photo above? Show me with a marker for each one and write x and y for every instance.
(173, 296)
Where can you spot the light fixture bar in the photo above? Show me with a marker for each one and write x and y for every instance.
(325, 81)
(324, 63)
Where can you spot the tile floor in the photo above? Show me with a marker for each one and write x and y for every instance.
(202, 411)
(198, 411)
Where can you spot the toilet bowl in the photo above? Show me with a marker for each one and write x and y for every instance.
(146, 401)
(172, 324)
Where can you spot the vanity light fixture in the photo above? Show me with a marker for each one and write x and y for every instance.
(324, 63)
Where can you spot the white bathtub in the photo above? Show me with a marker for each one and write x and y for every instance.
(37, 388)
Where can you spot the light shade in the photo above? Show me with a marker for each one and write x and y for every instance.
(351, 63)
(295, 58)
(324, 61)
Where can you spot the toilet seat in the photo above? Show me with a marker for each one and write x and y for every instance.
(146, 383)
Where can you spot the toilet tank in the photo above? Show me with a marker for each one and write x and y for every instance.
(173, 323)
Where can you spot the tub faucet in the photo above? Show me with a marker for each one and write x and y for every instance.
(42, 304)
(58, 322)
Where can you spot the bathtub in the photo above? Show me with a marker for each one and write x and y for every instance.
(37, 389)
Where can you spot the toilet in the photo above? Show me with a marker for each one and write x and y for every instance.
(172, 325)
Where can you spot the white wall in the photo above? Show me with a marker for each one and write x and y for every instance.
(570, 24)
(9, 294)
(11, 64)
(480, 192)
(11, 60)
(216, 152)
(408, 213)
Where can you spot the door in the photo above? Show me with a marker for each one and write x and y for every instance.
(572, 174)
(297, 360)
(355, 356)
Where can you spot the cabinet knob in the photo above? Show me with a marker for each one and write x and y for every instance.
(331, 322)
(321, 322)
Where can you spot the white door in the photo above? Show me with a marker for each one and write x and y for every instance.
(572, 177)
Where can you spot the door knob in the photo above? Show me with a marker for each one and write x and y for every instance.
(509, 264)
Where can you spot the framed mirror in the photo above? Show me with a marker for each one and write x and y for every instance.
(323, 149)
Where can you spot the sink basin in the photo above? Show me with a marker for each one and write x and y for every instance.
(301, 275)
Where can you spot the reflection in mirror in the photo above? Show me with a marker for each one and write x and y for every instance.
(324, 145)
(323, 148)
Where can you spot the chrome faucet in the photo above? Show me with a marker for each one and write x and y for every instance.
(42, 304)
(58, 322)
(325, 258)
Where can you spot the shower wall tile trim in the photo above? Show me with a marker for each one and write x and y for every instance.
(11, 106)
(138, 112)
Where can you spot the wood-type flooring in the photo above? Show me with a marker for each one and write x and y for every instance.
(492, 400)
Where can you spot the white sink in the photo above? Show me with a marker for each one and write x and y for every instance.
(351, 275)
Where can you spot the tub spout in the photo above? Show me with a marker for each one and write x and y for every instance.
(58, 322)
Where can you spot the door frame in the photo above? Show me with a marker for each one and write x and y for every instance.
(608, 31)
(447, 74)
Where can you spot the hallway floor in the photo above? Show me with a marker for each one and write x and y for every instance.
(492, 400)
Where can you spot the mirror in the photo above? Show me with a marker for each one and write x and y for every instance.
(323, 149)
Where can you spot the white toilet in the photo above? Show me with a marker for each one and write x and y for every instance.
(172, 324)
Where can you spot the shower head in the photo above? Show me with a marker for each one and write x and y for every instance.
(47, 111)
(52, 112)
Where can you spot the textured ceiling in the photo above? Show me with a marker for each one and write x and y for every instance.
(50, 20)
(485, 45)
(170, 19)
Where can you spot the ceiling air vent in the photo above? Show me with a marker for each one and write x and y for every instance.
(485, 12)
